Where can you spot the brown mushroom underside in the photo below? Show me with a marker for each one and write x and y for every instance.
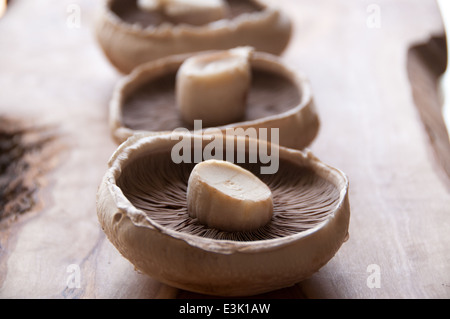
(152, 107)
(157, 186)
(131, 14)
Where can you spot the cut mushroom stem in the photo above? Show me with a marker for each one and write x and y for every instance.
(149, 5)
(227, 197)
(213, 87)
(195, 12)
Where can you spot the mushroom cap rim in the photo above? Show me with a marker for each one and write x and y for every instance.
(139, 218)
(259, 60)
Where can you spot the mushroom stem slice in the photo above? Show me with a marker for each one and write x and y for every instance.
(195, 12)
(225, 196)
(213, 87)
(149, 5)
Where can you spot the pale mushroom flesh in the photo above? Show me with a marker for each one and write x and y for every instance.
(213, 87)
(225, 196)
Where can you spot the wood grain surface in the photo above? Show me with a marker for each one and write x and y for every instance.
(372, 96)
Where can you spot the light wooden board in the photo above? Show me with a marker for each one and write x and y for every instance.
(355, 54)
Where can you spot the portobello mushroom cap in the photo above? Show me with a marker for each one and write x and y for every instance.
(141, 205)
(130, 36)
(144, 101)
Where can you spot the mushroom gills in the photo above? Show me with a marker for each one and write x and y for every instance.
(158, 187)
(153, 106)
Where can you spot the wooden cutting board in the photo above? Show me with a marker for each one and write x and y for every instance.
(380, 123)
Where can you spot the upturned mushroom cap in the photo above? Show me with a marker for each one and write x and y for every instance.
(130, 36)
(141, 205)
(279, 97)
